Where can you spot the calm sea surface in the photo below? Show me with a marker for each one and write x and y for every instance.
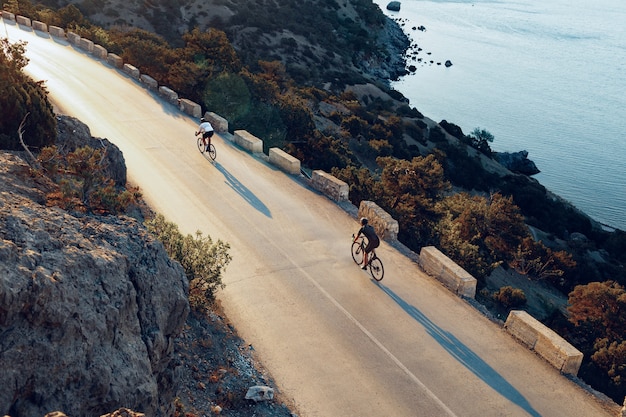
(547, 76)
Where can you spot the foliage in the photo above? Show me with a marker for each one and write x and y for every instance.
(20, 95)
(228, 95)
(480, 233)
(83, 184)
(539, 262)
(600, 308)
(480, 139)
(510, 297)
(202, 260)
(409, 191)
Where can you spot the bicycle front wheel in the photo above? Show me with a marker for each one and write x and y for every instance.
(376, 269)
(357, 253)
(200, 145)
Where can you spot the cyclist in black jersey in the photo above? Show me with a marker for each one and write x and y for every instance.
(372, 239)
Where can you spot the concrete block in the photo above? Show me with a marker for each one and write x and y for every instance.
(131, 70)
(73, 38)
(168, 94)
(8, 15)
(40, 26)
(22, 20)
(115, 60)
(446, 271)
(56, 31)
(544, 341)
(331, 186)
(248, 141)
(189, 107)
(219, 124)
(149, 82)
(85, 44)
(99, 52)
(284, 161)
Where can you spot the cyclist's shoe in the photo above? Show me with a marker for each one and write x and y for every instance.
(364, 267)
(206, 149)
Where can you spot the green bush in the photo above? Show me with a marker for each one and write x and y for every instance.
(510, 297)
(202, 260)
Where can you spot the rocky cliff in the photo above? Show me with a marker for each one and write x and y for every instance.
(89, 307)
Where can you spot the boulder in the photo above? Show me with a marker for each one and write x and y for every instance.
(517, 162)
(394, 6)
(89, 308)
(73, 134)
(258, 393)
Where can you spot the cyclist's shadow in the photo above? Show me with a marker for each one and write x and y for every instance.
(243, 191)
(464, 355)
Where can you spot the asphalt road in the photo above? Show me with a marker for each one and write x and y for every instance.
(336, 342)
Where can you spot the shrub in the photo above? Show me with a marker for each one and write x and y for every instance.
(510, 297)
(202, 260)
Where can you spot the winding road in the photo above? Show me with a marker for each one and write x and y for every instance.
(336, 342)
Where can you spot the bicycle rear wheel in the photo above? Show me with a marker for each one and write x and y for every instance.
(376, 269)
(357, 253)
(212, 152)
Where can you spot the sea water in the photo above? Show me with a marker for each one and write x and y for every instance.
(546, 76)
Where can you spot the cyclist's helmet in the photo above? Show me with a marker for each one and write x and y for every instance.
(363, 221)
(202, 120)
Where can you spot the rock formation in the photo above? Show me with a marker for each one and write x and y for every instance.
(72, 134)
(89, 307)
(517, 162)
(394, 6)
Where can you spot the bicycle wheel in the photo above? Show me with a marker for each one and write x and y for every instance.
(212, 152)
(376, 269)
(200, 145)
(357, 253)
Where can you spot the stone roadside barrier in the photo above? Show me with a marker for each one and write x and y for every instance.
(248, 141)
(284, 161)
(329, 185)
(220, 125)
(446, 271)
(386, 226)
(21, 20)
(56, 31)
(40, 26)
(543, 340)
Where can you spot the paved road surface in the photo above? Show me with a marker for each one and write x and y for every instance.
(336, 342)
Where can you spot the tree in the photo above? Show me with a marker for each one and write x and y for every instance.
(212, 51)
(21, 95)
(602, 305)
(227, 95)
(480, 233)
(480, 139)
(409, 190)
(600, 309)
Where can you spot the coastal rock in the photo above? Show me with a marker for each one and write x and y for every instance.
(394, 6)
(392, 66)
(73, 134)
(89, 308)
(517, 162)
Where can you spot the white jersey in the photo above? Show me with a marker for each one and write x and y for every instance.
(205, 127)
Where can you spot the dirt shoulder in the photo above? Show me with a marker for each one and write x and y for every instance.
(216, 370)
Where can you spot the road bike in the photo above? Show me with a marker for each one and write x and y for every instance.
(211, 152)
(374, 263)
